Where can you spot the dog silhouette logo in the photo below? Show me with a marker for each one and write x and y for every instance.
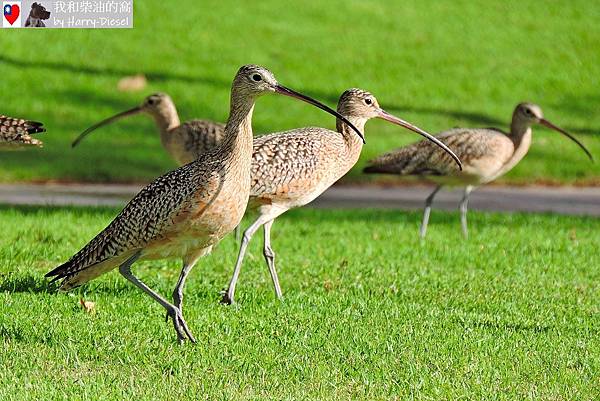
(37, 15)
(11, 14)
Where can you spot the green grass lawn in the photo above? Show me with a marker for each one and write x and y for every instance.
(369, 313)
(437, 64)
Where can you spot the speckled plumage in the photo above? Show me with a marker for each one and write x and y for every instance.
(16, 132)
(193, 138)
(162, 217)
(184, 212)
(486, 153)
(184, 142)
(292, 168)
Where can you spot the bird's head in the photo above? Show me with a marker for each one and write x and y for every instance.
(358, 103)
(530, 113)
(156, 102)
(360, 106)
(252, 81)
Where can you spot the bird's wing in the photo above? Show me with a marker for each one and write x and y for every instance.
(198, 136)
(19, 131)
(151, 214)
(281, 158)
(425, 158)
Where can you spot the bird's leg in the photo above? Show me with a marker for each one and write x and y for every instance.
(228, 295)
(183, 332)
(463, 210)
(178, 291)
(427, 211)
(270, 257)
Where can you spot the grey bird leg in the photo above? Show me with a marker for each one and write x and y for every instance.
(179, 323)
(270, 258)
(178, 291)
(427, 211)
(228, 296)
(463, 210)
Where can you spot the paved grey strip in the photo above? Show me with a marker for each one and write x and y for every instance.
(67, 195)
(563, 200)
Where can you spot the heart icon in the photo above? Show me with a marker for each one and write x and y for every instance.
(11, 13)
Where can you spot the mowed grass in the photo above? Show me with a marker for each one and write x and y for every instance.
(369, 313)
(437, 64)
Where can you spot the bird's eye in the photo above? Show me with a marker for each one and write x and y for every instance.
(528, 112)
(151, 101)
(368, 101)
(256, 78)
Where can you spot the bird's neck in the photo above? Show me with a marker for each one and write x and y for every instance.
(238, 131)
(520, 133)
(166, 118)
(353, 141)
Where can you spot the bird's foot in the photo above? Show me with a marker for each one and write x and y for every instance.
(226, 298)
(181, 327)
(177, 302)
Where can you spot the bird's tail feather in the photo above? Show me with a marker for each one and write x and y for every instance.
(60, 271)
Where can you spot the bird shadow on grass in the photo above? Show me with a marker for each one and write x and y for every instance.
(158, 76)
(91, 162)
(475, 118)
(97, 99)
(25, 283)
(37, 284)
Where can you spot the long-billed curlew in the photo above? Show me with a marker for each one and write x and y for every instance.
(185, 212)
(16, 133)
(184, 142)
(486, 153)
(292, 168)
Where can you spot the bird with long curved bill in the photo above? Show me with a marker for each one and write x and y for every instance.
(184, 142)
(292, 168)
(486, 153)
(185, 212)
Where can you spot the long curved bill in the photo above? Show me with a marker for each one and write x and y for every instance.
(548, 124)
(384, 115)
(288, 92)
(102, 123)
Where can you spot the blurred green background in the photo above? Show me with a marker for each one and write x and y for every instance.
(436, 64)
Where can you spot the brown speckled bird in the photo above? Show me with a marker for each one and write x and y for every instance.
(184, 142)
(185, 212)
(15, 133)
(292, 168)
(486, 153)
